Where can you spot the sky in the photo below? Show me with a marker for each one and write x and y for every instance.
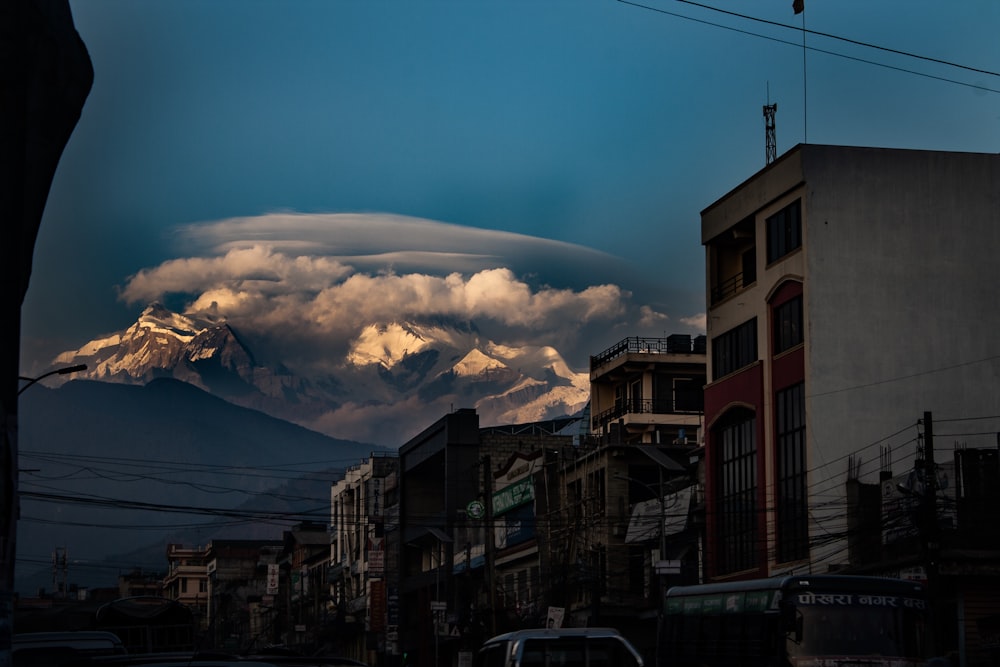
(537, 166)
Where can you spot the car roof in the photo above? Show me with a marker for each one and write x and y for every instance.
(553, 633)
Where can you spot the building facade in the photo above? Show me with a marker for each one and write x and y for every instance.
(363, 576)
(848, 297)
(187, 580)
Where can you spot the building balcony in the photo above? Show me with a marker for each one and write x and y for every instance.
(683, 411)
(673, 344)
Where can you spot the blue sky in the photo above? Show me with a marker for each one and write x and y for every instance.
(571, 142)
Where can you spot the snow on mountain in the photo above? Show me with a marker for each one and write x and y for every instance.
(476, 363)
(410, 369)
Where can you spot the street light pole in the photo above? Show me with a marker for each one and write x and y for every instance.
(58, 371)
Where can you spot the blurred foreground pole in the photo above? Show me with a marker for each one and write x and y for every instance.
(45, 77)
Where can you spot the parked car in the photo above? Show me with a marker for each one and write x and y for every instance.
(56, 649)
(567, 647)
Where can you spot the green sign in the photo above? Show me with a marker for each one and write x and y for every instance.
(515, 495)
(721, 603)
(475, 510)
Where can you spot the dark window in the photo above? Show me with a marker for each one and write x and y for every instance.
(788, 325)
(689, 395)
(793, 519)
(784, 231)
(734, 349)
(736, 446)
(749, 262)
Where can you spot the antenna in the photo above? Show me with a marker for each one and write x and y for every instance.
(771, 144)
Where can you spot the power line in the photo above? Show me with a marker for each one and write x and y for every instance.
(842, 39)
(810, 48)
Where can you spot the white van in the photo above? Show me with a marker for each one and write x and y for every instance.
(559, 647)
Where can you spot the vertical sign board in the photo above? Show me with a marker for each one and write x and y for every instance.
(376, 556)
(272, 578)
(376, 605)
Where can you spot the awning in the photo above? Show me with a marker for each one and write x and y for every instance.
(653, 452)
(644, 524)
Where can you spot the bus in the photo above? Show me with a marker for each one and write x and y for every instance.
(796, 621)
(149, 624)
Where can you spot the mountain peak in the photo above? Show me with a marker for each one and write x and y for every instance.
(392, 376)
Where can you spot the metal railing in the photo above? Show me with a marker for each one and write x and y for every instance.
(657, 406)
(673, 344)
(726, 288)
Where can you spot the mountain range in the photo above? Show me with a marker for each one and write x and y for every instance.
(392, 377)
(175, 433)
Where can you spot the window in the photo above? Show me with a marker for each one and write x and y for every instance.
(784, 231)
(793, 518)
(749, 263)
(734, 349)
(788, 325)
(736, 447)
(689, 395)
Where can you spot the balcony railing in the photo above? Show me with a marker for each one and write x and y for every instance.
(673, 344)
(676, 405)
(726, 288)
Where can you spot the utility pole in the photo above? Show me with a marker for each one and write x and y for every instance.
(490, 542)
(930, 530)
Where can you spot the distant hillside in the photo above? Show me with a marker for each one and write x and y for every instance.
(108, 469)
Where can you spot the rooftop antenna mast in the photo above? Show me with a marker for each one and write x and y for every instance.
(770, 142)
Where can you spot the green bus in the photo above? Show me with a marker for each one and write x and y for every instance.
(796, 621)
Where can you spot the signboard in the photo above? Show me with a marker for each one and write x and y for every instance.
(515, 527)
(554, 619)
(513, 496)
(376, 606)
(475, 510)
(272, 579)
(376, 556)
(667, 567)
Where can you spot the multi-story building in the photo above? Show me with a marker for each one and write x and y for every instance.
(649, 390)
(470, 557)
(849, 299)
(237, 588)
(361, 579)
(138, 583)
(304, 564)
(187, 580)
(514, 536)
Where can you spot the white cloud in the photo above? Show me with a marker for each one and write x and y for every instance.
(306, 285)
(698, 322)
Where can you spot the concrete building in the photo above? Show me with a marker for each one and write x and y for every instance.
(237, 593)
(850, 295)
(471, 556)
(649, 390)
(187, 580)
(363, 570)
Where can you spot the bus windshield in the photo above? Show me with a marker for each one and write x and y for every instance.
(834, 630)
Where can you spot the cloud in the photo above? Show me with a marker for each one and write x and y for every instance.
(306, 285)
(379, 241)
(698, 322)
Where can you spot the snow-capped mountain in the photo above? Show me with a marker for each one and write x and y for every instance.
(395, 378)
